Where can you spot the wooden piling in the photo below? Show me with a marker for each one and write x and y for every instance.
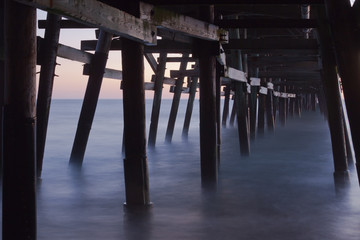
(261, 114)
(270, 121)
(282, 107)
(91, 97)
(219, 73)
(176, 101)
(298, 105)
(46, 80)
(313, 101)
(226, 105)
(160, 71)
(233, 112)
(333, 101)
(19, 177)
(189, 107)
(253, 110)
(208, 130)
(135, 162)
(2, 82)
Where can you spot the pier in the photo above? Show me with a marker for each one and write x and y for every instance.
(259, 66)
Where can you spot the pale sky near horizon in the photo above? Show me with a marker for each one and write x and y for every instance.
(71, 84)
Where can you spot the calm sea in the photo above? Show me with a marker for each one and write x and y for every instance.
(284, 190)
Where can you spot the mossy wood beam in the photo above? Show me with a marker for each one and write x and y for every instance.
(97, 14)
(180, 23)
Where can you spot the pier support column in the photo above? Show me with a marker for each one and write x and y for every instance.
(261, 114)
(46, 80)
(2, 82)
(282, 107)
(208, 129)
(159, 78)
(176, 101)
(19, 178)
(333, 101)
(98, 63)
(270, 121)
(226, 105)
(190, 105)
(135, 162)
(347, 48)
(253, 104)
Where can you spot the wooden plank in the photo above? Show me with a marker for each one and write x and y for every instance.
(100, 15)
(168, 46)
(180, 23)
(185, 73)
(267, 23)
(181, 59)
(74, 54)
(108, 73)
(235, 74)
(65, 23)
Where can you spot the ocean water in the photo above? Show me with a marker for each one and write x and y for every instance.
(284, 190)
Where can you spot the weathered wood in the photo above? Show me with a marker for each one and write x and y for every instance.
(65, 23)
(180, 23)
(46, 80)
(282, 107)
(270, 121)
(233, 113)
(135, 162)
(74, 54)
(181, 59)
(266, 23)
(208, 138)
(175, 102)
(261, 114)
(100, 15)
(88, 108)
(163, 45)
(226, 105)
(185, 73)
(347, 54)
(255, 83)
(333, 101)
(108, 73)
(219, 72)
(151, 60)
(235, 74)
(19, 167)
(2, 82)
(160, 71)
(189, 107)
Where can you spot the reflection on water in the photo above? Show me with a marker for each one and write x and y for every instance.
(284, 190)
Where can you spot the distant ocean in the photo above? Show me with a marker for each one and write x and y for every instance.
(284, 190)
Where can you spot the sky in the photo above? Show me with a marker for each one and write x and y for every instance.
(71, 84)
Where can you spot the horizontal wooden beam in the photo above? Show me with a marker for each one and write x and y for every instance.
(186, 73)
(65, 23)
(272, 43)
(267, 23)
(180, 59)
(162, 45)
(225, 2)
(98, 14)
(108, 73)
(74, 54)
(161, 17)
